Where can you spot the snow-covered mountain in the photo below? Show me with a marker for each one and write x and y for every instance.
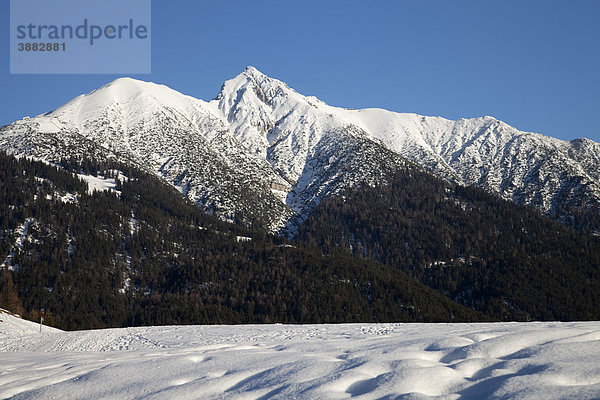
(290, 131)
(260, 151)
(173, 135)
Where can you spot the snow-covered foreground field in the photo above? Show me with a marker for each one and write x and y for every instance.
(390, 361)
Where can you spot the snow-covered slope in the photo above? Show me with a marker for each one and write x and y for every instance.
(13, 327)
(260, 151)
(366, 361)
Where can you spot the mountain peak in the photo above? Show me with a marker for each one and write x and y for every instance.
(250, 84)
(119, 90)
(125, 80)
(253, 72)
(127, 85)
(253, 77)
(131, 99)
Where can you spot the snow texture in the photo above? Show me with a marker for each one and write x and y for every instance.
(99, 184)
(366, 361)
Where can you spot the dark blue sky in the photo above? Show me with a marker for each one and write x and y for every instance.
(532, 64)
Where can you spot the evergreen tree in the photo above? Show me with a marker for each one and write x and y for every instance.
(9, 298)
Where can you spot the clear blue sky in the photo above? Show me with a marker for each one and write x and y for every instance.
(532, 64)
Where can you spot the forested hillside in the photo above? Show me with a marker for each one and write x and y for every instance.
(141, 254)
(493, 256)
(135, 251)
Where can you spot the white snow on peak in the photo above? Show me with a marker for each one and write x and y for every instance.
(183, 139)
(253, 72)
(127, 101)
(274, 121)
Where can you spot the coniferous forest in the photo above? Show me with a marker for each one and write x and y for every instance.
(142, 254)
(491, 255)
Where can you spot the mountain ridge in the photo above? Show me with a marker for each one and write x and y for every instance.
(262, 154)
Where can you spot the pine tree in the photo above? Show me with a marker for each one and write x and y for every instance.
(9, 299)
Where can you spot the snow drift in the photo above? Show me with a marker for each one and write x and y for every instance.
(408, 361)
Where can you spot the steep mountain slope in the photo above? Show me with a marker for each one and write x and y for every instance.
(526, 168)
(287, 128)
(262, 154)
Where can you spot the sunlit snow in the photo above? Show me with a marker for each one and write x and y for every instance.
(99, 184)
(408, 361)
